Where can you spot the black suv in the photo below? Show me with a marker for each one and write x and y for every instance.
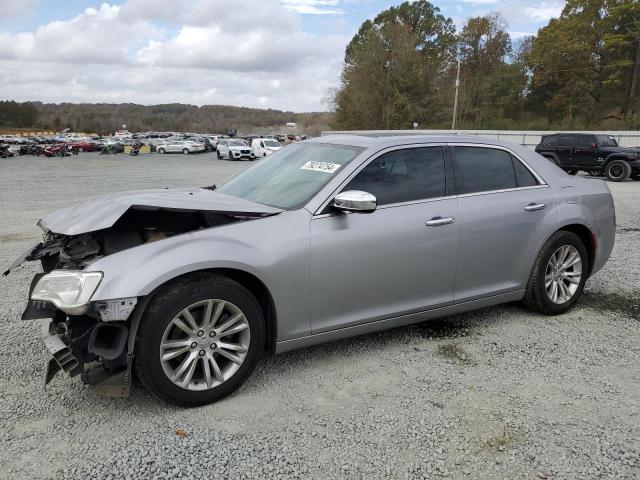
(596, 154)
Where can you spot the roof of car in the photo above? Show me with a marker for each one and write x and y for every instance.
(394, 140)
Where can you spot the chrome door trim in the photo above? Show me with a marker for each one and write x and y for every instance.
(535, 207)
(439, 222)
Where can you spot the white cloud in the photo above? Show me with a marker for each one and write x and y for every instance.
(314, 7)
(521, 15)
(16, 8)
(94, 36)
(141, 52)
(544, 11)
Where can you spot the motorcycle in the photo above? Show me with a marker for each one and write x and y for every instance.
(58, 150)
(5, 152)
(112, 148)
(135, 149)
(31, 149)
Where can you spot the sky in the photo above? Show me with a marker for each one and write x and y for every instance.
(281, 54)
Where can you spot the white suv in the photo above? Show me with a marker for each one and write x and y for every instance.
(234, 149)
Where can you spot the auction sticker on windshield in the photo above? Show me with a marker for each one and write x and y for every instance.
(320, 167)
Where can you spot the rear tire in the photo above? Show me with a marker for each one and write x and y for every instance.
(539, 292)
(157, 327)
(185, 151)
(617, 171)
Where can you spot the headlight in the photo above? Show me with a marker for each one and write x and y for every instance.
(69, 291)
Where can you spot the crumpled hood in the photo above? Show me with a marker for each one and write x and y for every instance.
(105, 211)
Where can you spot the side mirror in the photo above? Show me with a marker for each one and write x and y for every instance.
(355, 201)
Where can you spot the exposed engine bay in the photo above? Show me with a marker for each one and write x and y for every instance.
(137, 226)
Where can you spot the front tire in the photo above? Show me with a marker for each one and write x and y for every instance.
(161, 150)
(219, 156)
(617, 171)
(558, 275)
(199, 340)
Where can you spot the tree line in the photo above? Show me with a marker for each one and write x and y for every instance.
(104, 118)
(580, 71)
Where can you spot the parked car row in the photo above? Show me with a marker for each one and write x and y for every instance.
(234, 148)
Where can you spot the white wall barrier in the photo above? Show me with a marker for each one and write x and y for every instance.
(528, 138)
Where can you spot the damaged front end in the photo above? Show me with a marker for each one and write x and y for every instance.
(95, 339)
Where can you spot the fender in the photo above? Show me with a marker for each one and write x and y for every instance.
(138, 271)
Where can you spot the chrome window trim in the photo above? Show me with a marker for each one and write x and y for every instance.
(364, 164)
(500, 147)
(504, 190)
(542, 182)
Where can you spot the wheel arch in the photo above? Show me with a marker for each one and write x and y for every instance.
(244, 278)
(615, 156)
(588, 238)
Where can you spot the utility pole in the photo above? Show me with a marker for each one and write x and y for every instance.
(455, 100)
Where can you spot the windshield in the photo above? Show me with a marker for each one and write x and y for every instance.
(607, 141)
(237, 143)
(271, 143)
(290, 177)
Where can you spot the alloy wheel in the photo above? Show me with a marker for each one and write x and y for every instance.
(616, 171)
(205, 344)
(563, 274)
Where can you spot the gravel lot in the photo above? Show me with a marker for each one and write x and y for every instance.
(497, 393)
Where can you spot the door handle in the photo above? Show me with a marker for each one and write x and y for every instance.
(439, 221)
(534, 207)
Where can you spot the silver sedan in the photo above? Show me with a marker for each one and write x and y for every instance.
(324, 239)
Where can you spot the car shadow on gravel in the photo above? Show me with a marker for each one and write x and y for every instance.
(620, 305)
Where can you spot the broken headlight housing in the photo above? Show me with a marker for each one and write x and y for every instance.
(70, 291)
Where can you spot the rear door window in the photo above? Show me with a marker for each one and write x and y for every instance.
(480, 169)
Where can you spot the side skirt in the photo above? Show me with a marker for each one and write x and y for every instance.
(394, 322)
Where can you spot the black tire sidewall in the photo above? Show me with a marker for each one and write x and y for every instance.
(163, 309)
(556, 241)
